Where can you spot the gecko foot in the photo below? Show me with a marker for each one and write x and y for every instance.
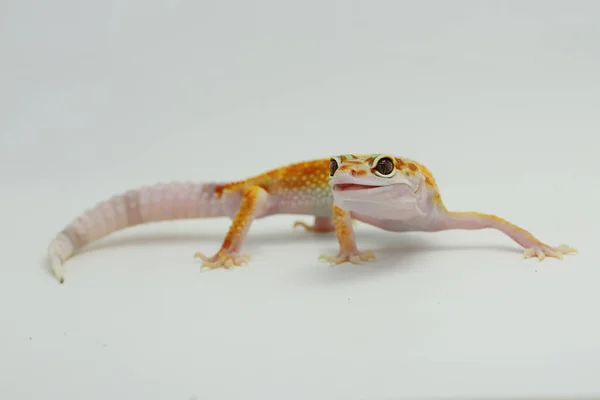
(223, 260)
(542, 250)
(353, 256)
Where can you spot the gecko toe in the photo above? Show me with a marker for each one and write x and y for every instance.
(352, 256)
(223, 260)
(543, 251)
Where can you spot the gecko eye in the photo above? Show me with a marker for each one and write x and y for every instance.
(385, 166)
(333, 166)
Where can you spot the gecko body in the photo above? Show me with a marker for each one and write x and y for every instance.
(390, 192)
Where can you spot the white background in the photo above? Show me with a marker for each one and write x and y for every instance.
(499, 99)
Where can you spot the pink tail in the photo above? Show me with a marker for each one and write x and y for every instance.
(155, 203)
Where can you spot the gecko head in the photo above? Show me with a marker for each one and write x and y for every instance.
(372, 178)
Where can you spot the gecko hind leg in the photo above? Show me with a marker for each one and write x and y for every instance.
(252, 205)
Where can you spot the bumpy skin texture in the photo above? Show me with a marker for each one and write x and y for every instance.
(404, 197)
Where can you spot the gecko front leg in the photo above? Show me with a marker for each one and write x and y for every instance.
(253, 204)
(347, 241)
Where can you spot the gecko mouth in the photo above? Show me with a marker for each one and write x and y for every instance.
(352, 186)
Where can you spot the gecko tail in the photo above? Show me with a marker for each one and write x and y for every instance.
(159, 202)
(57, 266)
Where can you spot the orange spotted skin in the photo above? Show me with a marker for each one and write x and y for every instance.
(299, 188)
(343, 229)
(244, 216)
(404, 165)
(350, 162)
(415, 167)
(305, 175)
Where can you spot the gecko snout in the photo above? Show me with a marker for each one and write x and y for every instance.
(352, 170)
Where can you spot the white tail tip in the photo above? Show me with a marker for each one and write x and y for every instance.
(58, 269)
